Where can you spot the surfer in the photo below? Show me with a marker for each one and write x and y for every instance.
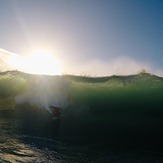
(56, 111)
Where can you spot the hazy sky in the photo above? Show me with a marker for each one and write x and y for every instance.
(96, 37)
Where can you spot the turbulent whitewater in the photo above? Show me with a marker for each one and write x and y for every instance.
(115, 118)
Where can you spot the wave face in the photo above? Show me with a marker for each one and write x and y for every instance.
(110, 109)
(37, 90)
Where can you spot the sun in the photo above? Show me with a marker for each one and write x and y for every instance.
(38, 62)
(41, 63)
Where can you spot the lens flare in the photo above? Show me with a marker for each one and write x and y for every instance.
(36, 63)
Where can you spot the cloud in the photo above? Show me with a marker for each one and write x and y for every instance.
(3, 60)
(5, 57)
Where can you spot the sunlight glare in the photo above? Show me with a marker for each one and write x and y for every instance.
(36, 63)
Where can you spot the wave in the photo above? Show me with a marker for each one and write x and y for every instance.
(93, 108)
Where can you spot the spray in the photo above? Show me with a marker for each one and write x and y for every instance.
(45, 91)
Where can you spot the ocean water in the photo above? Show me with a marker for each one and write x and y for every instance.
(110, 119)
(31, 140)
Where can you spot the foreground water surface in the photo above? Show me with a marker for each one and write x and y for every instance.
(24, 138)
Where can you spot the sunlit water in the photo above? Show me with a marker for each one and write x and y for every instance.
(29, 148)
(18, 145)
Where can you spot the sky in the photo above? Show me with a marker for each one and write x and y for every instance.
(86, 37)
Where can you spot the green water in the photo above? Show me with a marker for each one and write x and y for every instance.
(107, 119)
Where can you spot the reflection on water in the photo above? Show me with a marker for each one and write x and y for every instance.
(15, 150)
(17, 146)
(20, 143)
(14, 147)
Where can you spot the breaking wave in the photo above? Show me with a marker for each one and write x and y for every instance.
(104, 109)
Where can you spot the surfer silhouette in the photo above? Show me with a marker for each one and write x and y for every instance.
(56, 111)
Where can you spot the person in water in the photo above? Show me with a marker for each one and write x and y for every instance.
(56, 111)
